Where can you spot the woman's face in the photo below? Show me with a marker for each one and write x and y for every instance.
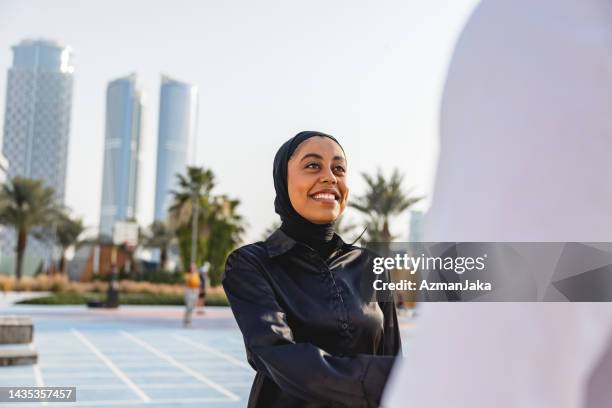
(316, 177)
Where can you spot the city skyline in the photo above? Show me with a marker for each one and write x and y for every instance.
(264, 74)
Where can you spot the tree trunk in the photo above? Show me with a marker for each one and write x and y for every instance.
(130, 266)
(62, 263)
(194, 230)
(22, 238)
(386, 234)
(164, 258)
(386, 238)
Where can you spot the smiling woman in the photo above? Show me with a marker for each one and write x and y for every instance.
(312, 338)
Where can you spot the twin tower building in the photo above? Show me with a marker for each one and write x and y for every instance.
(175, 146)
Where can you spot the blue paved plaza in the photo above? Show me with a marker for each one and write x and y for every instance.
(137, 355)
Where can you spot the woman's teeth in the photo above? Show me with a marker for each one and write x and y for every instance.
(324, 197)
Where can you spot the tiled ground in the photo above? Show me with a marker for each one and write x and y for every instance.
(135, 356)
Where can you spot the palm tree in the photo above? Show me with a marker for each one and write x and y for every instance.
(382, 200)
(223, 233)
(25, 204)
(216, 227)
(196, 185)
(67, 232)
(161, 236)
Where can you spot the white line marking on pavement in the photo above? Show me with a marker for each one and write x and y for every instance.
(164, 374)
(60, 364)
(81, 375)
(10, 376)
(183, 367)
(191, 400)
(97, 387)
(144, 397)
(37, 373)
(104, 403)
(210, 350)
(147, 365)
(173, 385)
(144, 373)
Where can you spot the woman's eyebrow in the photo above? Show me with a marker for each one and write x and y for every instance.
(315, 155)
(318, 156)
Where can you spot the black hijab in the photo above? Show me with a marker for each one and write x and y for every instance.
(320, 237)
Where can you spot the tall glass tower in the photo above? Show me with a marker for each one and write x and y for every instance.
(36, 128)
(178, 108)
(121, 152)
(37, 115)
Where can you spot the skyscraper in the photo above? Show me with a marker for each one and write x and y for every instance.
(121, 152)
(416, 226)
(37, 115)
(178, 107)
(36, 127)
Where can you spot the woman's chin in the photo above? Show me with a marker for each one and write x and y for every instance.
(323, 219)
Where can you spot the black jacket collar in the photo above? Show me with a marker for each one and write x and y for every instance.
(278, 243)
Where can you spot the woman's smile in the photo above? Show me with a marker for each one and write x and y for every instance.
(326, 196)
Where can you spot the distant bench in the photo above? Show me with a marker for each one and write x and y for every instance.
(16, 330)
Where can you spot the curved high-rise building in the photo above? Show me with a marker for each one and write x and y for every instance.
(37, 113)
(36, 130)
(121, 153)
(178, 109)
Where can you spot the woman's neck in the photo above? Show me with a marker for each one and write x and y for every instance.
(319, 237)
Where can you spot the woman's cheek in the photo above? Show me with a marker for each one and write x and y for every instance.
(345, 199)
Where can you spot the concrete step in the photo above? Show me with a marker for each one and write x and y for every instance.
(16, 329)
(10, 357)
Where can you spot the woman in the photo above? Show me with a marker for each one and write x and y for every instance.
(192, 289)
(312, 337)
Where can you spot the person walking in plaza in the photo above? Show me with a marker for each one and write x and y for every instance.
(203, 271)
(192, 290)
(312, 335)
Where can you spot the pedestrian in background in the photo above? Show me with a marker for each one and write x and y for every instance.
(192, 290)
(203, 271)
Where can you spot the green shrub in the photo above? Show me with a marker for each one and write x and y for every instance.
(214, 299)
(67, 298)
(150, 276)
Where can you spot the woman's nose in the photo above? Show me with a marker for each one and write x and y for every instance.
(329, 177)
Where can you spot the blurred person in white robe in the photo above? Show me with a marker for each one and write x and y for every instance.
(525, 155)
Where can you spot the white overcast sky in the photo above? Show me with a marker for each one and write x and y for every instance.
(369, 72)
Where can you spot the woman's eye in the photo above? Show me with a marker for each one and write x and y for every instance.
(340, 169)
(313, 166)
